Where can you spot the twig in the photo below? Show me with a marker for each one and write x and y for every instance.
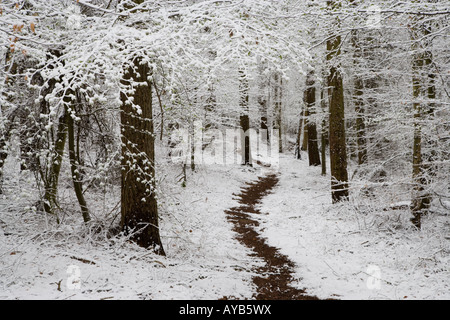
(101, 9)
(83, 260)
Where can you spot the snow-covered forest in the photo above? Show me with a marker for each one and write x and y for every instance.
(224, 149)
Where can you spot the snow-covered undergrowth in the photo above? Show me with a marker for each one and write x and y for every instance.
(42, 260)
(354, 250)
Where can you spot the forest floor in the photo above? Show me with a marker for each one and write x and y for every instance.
(232, 232)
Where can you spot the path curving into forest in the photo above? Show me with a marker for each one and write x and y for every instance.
(274, 278)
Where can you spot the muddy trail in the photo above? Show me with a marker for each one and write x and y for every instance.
(274, 278)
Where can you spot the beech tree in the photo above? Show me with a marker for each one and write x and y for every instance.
(337, 137)
(138, 197)
(310, 105)
(424, 93)
(86, 85)
(244, 119)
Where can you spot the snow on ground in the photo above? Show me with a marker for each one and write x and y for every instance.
(340, 252)
(343, 253)
(41, 260)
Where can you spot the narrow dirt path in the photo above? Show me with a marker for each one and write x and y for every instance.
(274, 278)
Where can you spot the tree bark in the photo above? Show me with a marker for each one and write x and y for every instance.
(358, 98)
(139, 209)
(305, 116)
(310, 102)
(423, 85)
(298, 144)
(280, 116)
(262, 102)
(74, 165)
(324, 135)
(5, 136)
(51, 178)
(338, 152)
(278, 97)
(244, 119)
(419, 202)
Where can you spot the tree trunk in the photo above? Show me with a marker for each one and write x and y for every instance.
(6, 124)
(74, 165)
(298, 144)
(193, 146)
(313, 146)
(161, 109)
(278, 96)
(338, 152)
(310, 102)
(305, 130)
(358, 99)
(262, 102)
(50, 171)
(359, 104)
(419, 202)
(5, 136)
(360, 123)
(139, 209)
(51, 178)
(423, 85)
(280, 116)
(324, 135)
(244, 119)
